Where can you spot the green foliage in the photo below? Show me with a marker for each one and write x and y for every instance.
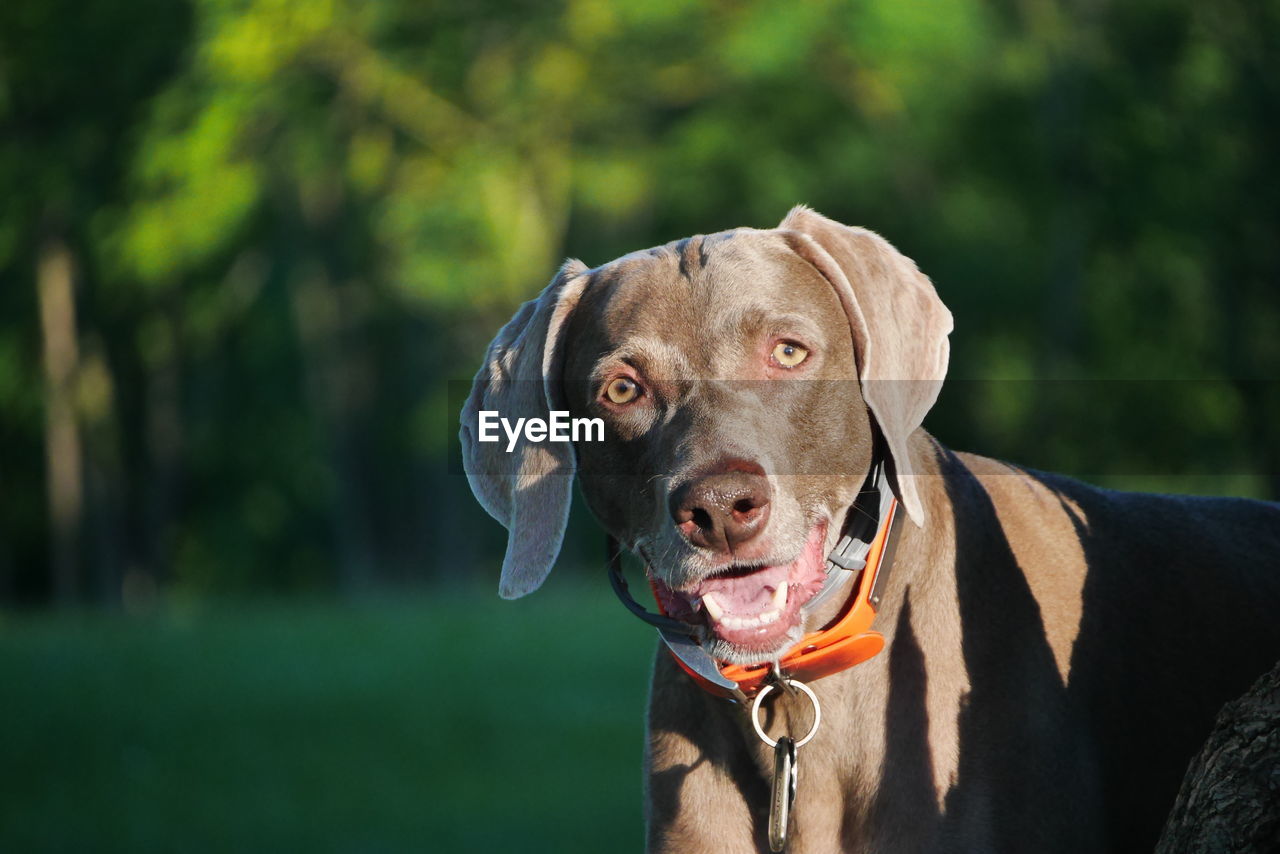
(293, 221)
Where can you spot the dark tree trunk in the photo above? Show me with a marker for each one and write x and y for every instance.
(1230, 797)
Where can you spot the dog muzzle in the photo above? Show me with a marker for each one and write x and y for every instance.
(864, 554)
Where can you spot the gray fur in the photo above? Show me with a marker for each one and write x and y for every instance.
(1056, 652)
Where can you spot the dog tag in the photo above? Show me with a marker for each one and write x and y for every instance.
(783, 795)
(784, 792)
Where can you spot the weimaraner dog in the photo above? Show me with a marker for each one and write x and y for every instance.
(1054, 653)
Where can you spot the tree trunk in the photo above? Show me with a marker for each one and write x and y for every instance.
(333, 370)
(1230, 797)
(55, 289)
(165, 437)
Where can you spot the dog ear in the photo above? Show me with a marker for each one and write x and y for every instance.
(529, 489)
(899, 325)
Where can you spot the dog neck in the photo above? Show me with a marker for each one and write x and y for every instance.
(917, 546)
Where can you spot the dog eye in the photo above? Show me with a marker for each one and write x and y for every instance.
(789, 355)
(622, 390)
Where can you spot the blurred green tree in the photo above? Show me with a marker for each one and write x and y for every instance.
(248, 241)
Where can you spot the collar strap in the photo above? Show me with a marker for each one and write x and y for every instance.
(866, 548)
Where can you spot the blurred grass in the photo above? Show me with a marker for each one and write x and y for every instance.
(455, 723)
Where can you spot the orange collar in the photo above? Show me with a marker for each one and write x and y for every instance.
(843, 643)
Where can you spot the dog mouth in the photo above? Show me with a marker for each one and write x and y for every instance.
(754, 608)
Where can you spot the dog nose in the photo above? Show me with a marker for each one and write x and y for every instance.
(722, 511)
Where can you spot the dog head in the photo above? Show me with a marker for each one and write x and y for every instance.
(741, 378)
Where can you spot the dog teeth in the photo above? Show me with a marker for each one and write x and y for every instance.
(731, 622)
(780, 598)
(713, 607)
(716, 612)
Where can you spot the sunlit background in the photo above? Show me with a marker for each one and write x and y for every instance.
(246, 599)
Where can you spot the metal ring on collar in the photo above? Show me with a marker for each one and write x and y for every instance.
(813, 698)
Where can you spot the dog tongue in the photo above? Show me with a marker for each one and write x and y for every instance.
(745, 594)
(750, 593)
